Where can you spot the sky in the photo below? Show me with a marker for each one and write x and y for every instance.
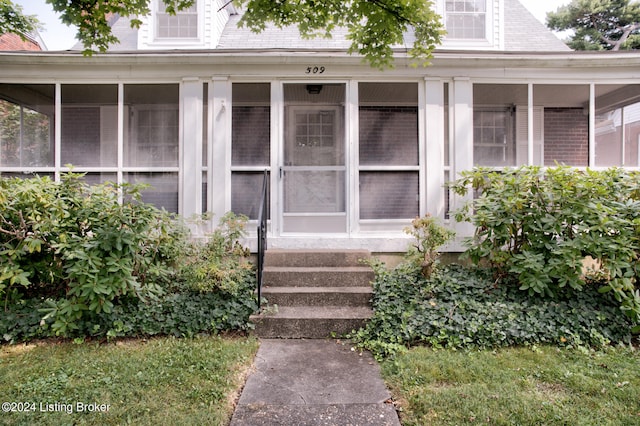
(58, 36)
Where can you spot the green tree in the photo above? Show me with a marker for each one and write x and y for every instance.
(599, 24)
(374, 26)
(13, 20)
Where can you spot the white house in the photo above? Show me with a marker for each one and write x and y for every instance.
(199, 108)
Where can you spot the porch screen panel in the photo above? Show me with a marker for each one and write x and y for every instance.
(162, 191)
(388, 151)
(617, 135)
(250, 145)
(151, 141)
(27, 123)
(565, 123)
(151, 137)
(89, 125)
(246, 195)
(389, 195)
(495, 125)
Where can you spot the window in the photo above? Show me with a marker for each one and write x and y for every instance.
(184, 24)
(466, 19)
(493, 139)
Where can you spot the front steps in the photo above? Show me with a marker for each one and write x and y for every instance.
(314, 294)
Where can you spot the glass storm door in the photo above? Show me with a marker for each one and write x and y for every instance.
(313, 173)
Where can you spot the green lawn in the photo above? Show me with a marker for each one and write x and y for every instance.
(516, 386)
(163, 381)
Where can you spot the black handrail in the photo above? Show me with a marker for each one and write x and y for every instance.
(262, 235)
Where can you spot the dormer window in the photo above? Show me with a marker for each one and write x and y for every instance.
(182, 25)
(466, 19)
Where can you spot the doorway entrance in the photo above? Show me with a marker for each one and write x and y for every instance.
(313, 168)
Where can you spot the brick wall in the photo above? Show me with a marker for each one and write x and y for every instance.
(10, 42)
(566, 136)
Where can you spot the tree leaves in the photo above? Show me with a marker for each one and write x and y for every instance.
(599, 24)
(375, 27)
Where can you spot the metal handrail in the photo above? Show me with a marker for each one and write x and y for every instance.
(262, 236)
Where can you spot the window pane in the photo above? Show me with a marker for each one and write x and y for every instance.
(251, 124)
(89, 125)
(152, 119)
(465, 19)
(26, 125)
(389, 195)
(184, 24)
(162, 191)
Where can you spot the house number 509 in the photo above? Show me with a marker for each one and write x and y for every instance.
(314, 70)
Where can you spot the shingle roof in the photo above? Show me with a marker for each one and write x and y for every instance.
(121, 28)
(523, 32)
(234, 37)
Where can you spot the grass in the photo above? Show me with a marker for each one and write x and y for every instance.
(516, 386)
(162, 381)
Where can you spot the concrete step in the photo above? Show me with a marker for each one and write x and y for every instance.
(318, 296)
(310, 322)
(310, 258)
(317, 276)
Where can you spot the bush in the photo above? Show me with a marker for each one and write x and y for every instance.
(541, 226)
(79, 249)
(221, 264)
(77, 263)
(462, 307)
(429, 236)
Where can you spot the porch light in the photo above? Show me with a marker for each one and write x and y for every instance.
(314, 89)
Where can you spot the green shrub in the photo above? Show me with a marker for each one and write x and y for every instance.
(429, 236)
(221, 264)
(462, 307)
(80, 250)
(540, 225)
(95, 267)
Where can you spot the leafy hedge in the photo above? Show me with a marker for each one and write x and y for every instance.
(461, 307)
(540, 225)
(76, 261)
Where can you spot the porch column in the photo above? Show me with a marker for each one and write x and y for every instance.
(191, 166)
(220, 135)
(434, 151)
(463, 143)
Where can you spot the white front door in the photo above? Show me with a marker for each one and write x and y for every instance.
(313, 170)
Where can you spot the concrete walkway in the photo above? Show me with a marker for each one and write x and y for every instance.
(314, 382)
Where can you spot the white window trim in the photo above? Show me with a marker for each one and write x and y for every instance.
(157, 41)
(457, 43)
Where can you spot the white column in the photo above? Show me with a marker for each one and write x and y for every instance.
(191, 163)
(463, 142)
(433, 132)
(220, 134)
(352, 122)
